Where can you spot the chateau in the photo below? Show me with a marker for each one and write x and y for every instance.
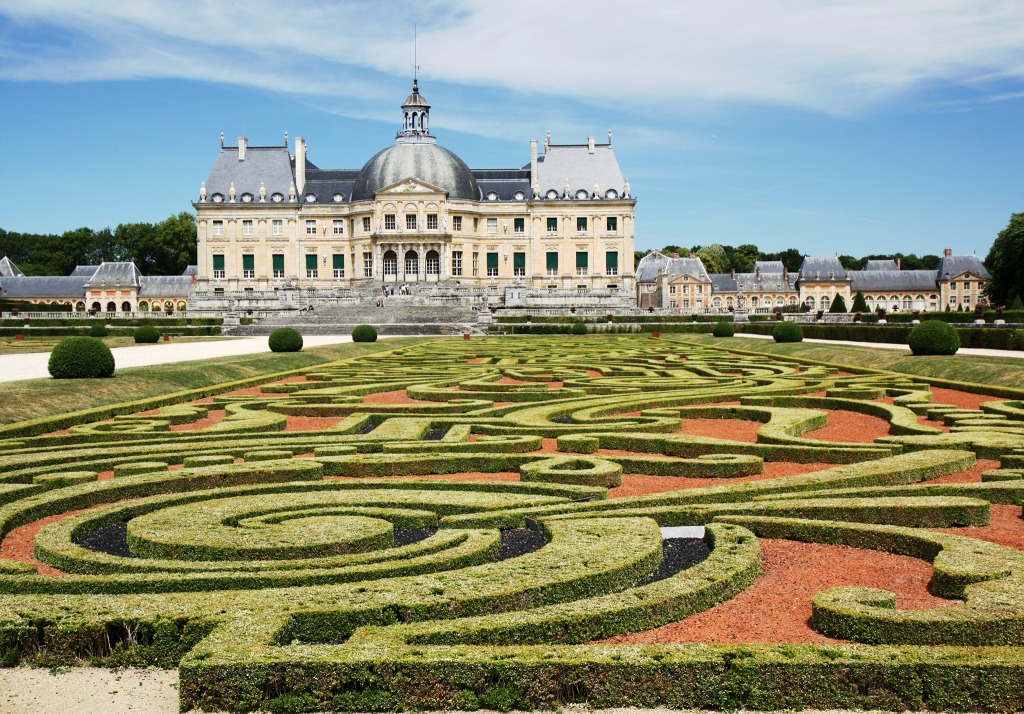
(272, 222)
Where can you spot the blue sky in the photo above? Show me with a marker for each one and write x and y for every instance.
(831, 126)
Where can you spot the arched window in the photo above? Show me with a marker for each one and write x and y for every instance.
(907, 302)
(870, 302)
(412, 263)
(728, 302)
(809, 301)
(433, 262)
(111, 306)
(390, 263)
(143, 306)
(792, 299)
(156, 306)
(753, 302)
(717, 302)
(96, 307)
(126, 306)
(79, 306)
(823, 303)
(182, 305)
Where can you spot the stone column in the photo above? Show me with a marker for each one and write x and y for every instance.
(378, 261)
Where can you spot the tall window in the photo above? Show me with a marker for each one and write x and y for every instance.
(311, 271)
(581, 224)
(412, 262)
(476, 264)
(552, 224)
(433, 263)
(389, 221)
(390, 263)
(278, 227)
(246, 228)
(492, 225)
(218, 265)
(611, 224)
(338, 263)
(366, 224)
(492, 265)
(410, 222)
(218, 228)
(278, 261)
(611, 263)
(519, 225)
(552, 263)
(519, 264)
(367, 264)
(311, 227)
(338, 226)
(249, 266)
(457, 263)
(582, 267)
(431, 221)
(456, 223)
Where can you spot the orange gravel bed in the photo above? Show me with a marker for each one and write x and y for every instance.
(777, 608)
(1006, 528)
(971, 475)
(640, 484)
(214, 416)
(963, 400)
(397, 396)
(850, 427)
(731, 429)
(305, 423)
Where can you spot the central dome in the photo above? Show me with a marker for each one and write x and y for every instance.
(425, 161)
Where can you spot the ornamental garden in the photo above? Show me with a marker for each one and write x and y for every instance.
(516, 523)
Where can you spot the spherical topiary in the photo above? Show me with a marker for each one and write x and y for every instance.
(578, 328)
(788, 332)
(98, 330)
(934, 337)
(364, 333)
(146, 334)
(81, 358)
(285, 339)
(723, 329)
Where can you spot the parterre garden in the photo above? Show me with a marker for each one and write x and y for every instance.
(489, 523)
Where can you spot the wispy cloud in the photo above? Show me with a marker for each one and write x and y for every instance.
(837, 56)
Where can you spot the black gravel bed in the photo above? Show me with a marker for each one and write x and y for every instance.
(519, 541)
(564, 420)
(677, 554)
(435, 435)
(408, 536)
(111, 539)
(369, 427)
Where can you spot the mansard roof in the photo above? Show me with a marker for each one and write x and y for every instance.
(822, 268)
(124, 275)
(164, 286)
(769, 266)
(84, 271)
(655, 264)
(24, 287)
(893, 280)
(770, 282)
(950, 266)
(580, 168)
(9, 269)
(270, 164)
(881, 265)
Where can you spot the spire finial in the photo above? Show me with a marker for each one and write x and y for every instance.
(415, 59)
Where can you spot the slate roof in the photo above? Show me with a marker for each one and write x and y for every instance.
(191, 270)
(769, 266)
(30, 286)
(504, 183)
(822, 268)
(270, 164)
(953, 265)
(115, 274)
(325, 184)
(163, 286)
(8, 269)
(575, 165)
(881, 265)
(893, 280)
(751, 283)
(655, 264)
(84, 271)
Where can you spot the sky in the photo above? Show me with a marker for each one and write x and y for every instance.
(831, 126)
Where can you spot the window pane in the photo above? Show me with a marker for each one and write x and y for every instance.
(310, 262)
(492, 260)
(519, 260)
(278, 262)
(218, 262)
(581, 259)
(612, 260)
(248, 262)
(339, 261)
(552, 260)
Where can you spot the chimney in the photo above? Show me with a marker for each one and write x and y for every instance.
(899, 264)
(949, 252)
(785, 273)
(675, 255)
(300, 163)
(758, 272)
(533, 161)
(590, 144)
(243, 144)
(692, 255)
(734, 273)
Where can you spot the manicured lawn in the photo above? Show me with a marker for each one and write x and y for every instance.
(34, 398)
(11, 346)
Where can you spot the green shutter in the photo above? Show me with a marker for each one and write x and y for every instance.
(310, 262)
(279, 262)
(492, 261)
(218, 262)
(519, 260)
(248, 262)
(339, 261)
(581, 259)
(611, 260)
(552, 261)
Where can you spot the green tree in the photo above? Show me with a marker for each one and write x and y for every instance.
(713, 257)
(744, 257)
(1016, 303)
(791, 258)
(859, 303)
(851, 263)
(1005, 261)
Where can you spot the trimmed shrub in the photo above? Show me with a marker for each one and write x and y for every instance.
(1016, 303)
(364, 333)
(98, 330)
(723, 329)
(1016, 340)
(859, 303)
(838, 305)
(81, 358)
(788, 332)
(578, 328)
(933, 337)
(285, 339)
(146, 334)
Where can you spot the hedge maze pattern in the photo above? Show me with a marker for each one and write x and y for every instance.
(230, 549)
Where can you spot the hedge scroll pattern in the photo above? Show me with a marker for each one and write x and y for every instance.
(291, 568)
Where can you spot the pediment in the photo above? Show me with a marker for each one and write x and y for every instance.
(410, 185)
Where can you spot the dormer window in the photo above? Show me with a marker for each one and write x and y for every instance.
(492, 196)
(246, 198)
(611, 193)
(277, 198)
(582, 194)
(338, 197)
(310, 198)
(520, 196)
(551, 195)
(217, 198)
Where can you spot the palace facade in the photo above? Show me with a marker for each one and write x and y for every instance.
(271, 220)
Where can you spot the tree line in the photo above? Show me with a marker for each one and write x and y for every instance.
(164, 248)
(719, 258)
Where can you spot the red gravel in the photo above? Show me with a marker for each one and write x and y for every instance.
(964, 400)
(397, 396)
(731, 429)
(850, 427)
(214, 416)
(305, 423)
(1007, 528)
(971, 475)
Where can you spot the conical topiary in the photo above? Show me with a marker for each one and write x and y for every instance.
(859, 303)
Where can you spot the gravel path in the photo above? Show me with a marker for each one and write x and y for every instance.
(33, 365)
